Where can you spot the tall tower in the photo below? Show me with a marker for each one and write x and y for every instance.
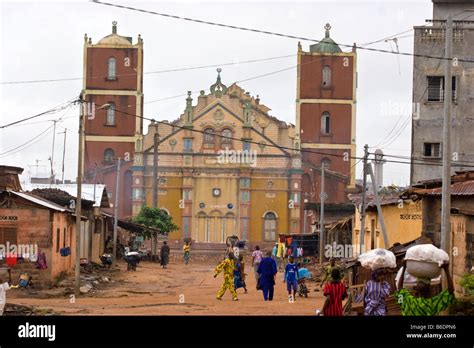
(378, 162)
(326, 120)
(113, 90)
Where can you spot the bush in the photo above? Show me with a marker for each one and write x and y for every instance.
(467, 283)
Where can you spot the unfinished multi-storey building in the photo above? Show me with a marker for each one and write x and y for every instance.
(429, 96)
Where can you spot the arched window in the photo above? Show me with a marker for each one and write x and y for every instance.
(112, 68)
(226, 138)
(109, 155)
(209, 138)
(327, 163)
(270, 226)
(326, 76)
(326, 123)
(110, 121)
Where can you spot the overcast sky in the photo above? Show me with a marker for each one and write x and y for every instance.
(44, 40)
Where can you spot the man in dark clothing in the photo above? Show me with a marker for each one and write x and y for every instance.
(164, 254)
(267, 271)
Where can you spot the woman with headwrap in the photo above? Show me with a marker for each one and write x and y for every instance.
(375, 292)
(421, 303)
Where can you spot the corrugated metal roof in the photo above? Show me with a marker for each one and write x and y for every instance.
(87, 191)
(465, 188)
(39, 201)
(370, 199)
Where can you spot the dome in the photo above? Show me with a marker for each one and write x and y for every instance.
(114, 38)
(326, 45)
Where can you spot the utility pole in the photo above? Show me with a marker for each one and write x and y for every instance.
(446, 187)
(155, 189)
(364, 192)
(64, 155)
(78, 197)
(37, 166)
(117, 195)
(379, 207)
(305, 213)
(51, 181)
(322, 197)
(95, 179)
(155, 170)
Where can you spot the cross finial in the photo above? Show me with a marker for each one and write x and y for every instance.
(218, 86)
(114, 27)
(327, 27)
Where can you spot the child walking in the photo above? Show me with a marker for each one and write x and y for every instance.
(186, 250)
(291, 277)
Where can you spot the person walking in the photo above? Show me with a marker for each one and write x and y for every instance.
(239, 274)
(327, 272)
(291, 278)
(267, 272)
(422, 303)
(375, 292)
(4, 286)
(281, 252)
(227, 266)
(335, 292)
(257, 256)
(186, 251)
(164, 255)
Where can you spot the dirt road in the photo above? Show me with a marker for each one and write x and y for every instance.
(177, 290)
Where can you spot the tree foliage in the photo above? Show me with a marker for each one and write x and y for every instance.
(467, 282)
(155, 218)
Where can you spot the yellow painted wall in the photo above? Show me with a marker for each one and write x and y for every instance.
(261, 204)
(216, 207)
(402, 221)
(170, 201)
(223, 112)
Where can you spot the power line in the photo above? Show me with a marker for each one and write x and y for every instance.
(232, 138)
(38, 122)
(275, 146)
(428, 160)
(273, 33)
(29, 142)
(387, 141)
(34, 139)
(389, 37)
(399, 132)
(152, 72)
(53, 110)
(240, 81)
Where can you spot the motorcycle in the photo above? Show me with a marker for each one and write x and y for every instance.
(132, 258)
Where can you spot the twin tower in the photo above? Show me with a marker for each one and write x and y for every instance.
(324, 131)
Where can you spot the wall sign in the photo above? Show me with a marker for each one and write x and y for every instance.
(8, 218)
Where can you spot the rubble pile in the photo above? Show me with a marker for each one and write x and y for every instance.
(13, 309)
(318, 270)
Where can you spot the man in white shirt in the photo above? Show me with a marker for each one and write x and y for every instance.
(4, 286)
